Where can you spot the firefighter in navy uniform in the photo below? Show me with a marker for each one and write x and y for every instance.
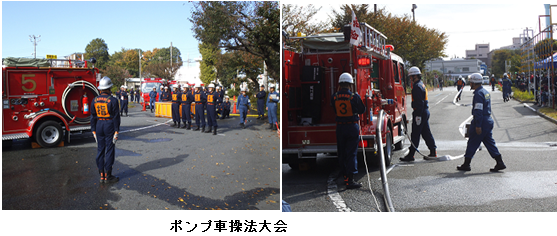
(420, 124)
(460, 85)
(220, 99)
(152, 98)
(243, 104)
(105, 125)
(261, 95)
(176, 100)
(272, 101)
(225, 108)
(493, 81)
(481, 128)
(187, 99)
(347, 106)
(166, 96)
(124, 101)
(199, 98)
(212, 98)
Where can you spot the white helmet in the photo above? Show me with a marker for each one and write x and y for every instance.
(198, 85)
(165, 87)
(105, 83)
(243, 90)
(476, 78)
(346, 78)
(211, 86)
(174, 86)
(505, 75)
(414, 71)
(272, 86)
(460, 77)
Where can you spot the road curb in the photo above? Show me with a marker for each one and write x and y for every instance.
(539, 113)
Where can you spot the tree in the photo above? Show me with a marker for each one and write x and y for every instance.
(247, 26)
(415, 43)
(209, 53)
(297, 18)
(116, 74)
(162, 69)
(499, 58)
(98, 49)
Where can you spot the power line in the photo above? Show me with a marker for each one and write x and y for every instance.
(483, 31)
(34, 39)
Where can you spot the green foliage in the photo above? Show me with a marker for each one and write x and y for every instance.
(299, 19)
(252, 27)
(498, 62)
(98, 49)
(523, 96)
(413, 42)
(209, 53)
(545, 48)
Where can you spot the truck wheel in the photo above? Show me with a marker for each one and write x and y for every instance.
(402, 129)
(49, 134)
(388, 150)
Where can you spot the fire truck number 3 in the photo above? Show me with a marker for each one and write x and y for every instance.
(25, 81)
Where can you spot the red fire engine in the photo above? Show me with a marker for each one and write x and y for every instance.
(44, 102)
(147, 86)
(310, 78)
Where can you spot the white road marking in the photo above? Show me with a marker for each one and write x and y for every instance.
(332, 192)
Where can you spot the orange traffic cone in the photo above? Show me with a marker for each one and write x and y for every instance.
(143, 107)
(234, 110)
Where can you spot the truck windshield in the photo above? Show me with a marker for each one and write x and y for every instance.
(148, 87)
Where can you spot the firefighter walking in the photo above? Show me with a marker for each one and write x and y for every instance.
(347, 106)
(187, 99)
(243, 105)
(493, 81)
(420, 124)
(105, 125)
(212, 99)
(176, 100)
(481, 127)
(272, 101)
(459, 86)
(199, 99)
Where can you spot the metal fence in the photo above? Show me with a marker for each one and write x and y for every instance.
(539, 61)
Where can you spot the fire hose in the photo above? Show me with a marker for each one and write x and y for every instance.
(83, 83)
(379, 139)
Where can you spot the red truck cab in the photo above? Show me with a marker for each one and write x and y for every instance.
(310, 78)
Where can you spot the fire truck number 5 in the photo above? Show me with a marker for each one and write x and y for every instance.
(25, 81)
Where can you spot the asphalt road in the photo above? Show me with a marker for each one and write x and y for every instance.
(528, 144)
(160, 167)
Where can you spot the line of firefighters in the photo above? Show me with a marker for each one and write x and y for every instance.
(214, 103)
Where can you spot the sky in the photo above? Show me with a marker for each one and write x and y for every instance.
(67, 27)
(465, 24)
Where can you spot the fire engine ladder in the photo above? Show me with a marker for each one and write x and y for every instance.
(374, 42)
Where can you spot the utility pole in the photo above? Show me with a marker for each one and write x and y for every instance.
(139, 53)
(170, 54)
(34, 39)
(413, 13)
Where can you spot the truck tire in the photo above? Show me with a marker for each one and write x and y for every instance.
(402, 129)
(388, 150)
(49, 134)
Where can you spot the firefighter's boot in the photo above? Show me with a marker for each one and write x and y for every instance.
(409, 156)
(270, 126)
(210, 130)
(432, 153)
(178, 126)
(203, 129)
(466, 165)
(103, 177)
(350, 183)
(111, 178)
(215, 131)
(189, 126)
(196, 129)
(499, 166)
(174, 125)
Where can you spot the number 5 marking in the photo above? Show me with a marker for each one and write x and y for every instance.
(24, 81)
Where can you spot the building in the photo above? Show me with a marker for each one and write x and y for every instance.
(189, 73)
(455, 67)
(480, 52)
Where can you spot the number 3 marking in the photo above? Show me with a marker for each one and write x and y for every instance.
(24, 81)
